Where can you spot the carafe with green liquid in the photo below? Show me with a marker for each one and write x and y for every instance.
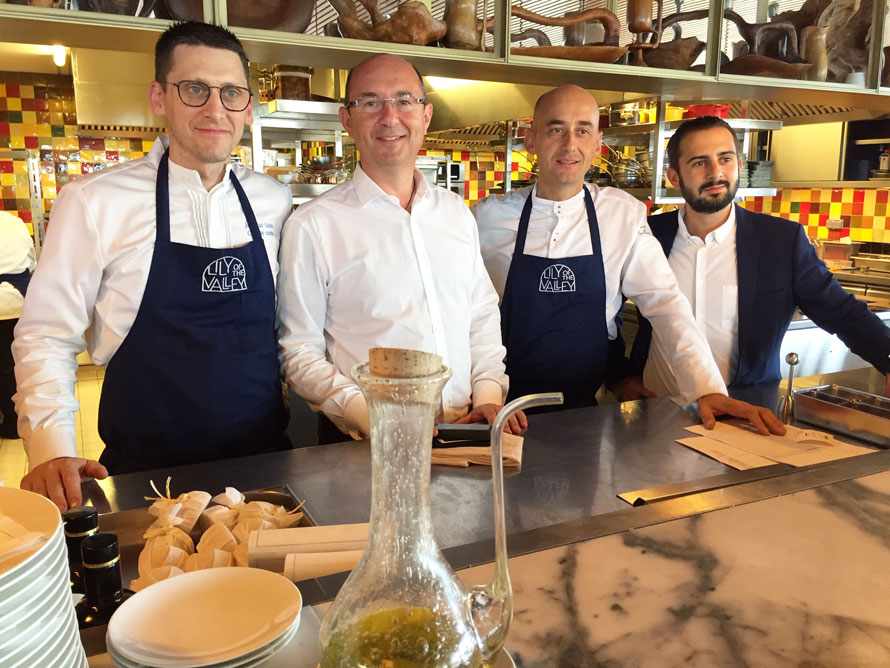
(402, 606)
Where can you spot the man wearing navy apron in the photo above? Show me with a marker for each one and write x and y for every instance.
(562, 254)
(17, 260)
(166, 265)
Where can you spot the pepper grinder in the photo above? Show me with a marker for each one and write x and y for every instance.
(785, 409)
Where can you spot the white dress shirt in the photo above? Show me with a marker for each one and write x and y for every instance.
(93, 270)
(633, 262)
(358, 271)
(707, 274)
(16, 256)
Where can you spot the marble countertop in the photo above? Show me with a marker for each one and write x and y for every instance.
(795, 580)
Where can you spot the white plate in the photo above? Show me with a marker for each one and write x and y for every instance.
(204, 617)
(34, 586)
(259, 656)
(52, 650)
(35, 513)
(43, 629)
(73, 655)
(39, 562)
(48, 595)
(255, 658)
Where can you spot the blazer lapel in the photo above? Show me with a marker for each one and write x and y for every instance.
(666, 230)
(746, 260)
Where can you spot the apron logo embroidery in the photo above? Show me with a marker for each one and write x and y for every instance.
(557, 278)
(227, 274)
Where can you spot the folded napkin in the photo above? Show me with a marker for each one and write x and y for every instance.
(307, 565)
(464, 456)
(186, 507)
(269, 548)
(14, 538)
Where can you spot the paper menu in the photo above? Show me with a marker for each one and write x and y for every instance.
(734, 443)
(726, 454)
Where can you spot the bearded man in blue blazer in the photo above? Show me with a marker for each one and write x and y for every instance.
(742, 272)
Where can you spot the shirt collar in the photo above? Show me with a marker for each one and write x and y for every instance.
(180, 174)
(368, 190)
(718, 236)
(573, 203)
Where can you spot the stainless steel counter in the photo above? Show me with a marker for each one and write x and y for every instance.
(574, 465)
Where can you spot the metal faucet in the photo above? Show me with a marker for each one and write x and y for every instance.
(785, 409)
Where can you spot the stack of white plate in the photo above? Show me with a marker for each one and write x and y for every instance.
(220, 617)
(37, 622)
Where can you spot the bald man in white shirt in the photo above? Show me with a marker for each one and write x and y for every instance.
(562, 254)
(387, 260)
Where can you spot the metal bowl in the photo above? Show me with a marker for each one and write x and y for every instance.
(284, 15)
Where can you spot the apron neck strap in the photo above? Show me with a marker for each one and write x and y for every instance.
(162, 200)
(245, 206)
(592, 222)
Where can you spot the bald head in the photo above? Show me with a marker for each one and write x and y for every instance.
(567, 96)
(565, 137)
(378, 62)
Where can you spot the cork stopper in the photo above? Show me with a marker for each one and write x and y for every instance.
(401, 363)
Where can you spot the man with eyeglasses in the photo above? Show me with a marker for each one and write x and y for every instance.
(387, 260)
(166, 265)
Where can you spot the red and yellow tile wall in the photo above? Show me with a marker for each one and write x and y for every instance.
(37, 112)
(865, 212)
(484, 170)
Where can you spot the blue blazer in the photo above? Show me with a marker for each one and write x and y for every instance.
(777, 270)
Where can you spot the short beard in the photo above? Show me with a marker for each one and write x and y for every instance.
(709, 204)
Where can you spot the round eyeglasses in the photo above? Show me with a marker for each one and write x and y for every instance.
(372, 104)
(196, 94)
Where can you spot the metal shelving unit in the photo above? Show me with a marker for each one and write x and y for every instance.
(654, 135)
(22, 23)
(294, 121)
(665, 131)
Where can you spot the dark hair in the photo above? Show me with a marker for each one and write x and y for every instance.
(695, 125)
(346, 97)
(195, 33)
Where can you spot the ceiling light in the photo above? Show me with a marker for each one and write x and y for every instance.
(59, 55)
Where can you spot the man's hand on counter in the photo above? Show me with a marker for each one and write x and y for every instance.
(488, 412)
(712, 405)
(630, 388)
(59, 479)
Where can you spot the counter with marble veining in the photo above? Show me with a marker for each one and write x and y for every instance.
(794, 580)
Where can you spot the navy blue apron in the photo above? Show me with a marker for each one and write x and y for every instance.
(553, 319)
(18, 281)
(196, 377)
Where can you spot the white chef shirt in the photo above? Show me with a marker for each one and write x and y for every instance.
(707, 274)
(93, 270)
(633, 262)
(16, 256)
(358, 271)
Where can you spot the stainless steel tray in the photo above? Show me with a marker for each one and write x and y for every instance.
(840, 409)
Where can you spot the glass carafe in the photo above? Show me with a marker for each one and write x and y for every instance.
(402, 606)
